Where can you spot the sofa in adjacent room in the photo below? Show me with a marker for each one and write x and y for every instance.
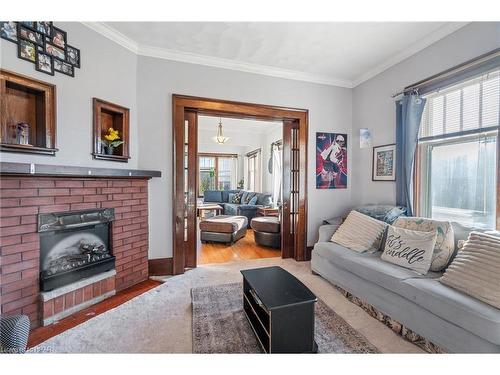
(452, 320)
(246, 207)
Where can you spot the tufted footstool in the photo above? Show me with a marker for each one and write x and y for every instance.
(223, 228)
(267, 231)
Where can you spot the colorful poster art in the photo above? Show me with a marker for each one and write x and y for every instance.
(331, 161)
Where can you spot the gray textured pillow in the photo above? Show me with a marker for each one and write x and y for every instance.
(409, 248)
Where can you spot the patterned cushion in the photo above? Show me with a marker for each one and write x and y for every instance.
(386, 213)
(14, 331)
(253, 201)
(409, 248)
(247, 197)
(445, 242)
(474, 271)
(235, 198)
(360, 232)
(223, 224)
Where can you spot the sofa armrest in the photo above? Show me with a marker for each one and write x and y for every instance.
(326, 232)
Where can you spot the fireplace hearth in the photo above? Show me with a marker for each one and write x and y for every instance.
(74, 245)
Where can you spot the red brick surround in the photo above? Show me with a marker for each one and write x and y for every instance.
(22, 198)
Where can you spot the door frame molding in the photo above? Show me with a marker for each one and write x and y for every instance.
(225, 108)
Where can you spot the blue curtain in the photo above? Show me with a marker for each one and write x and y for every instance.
(408, 115)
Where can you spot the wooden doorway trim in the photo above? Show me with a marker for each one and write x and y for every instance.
(182, 104)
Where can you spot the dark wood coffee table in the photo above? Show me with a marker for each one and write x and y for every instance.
(280, 310)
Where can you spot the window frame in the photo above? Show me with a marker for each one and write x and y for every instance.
(425, 144)
(217, 156)
(422, 169)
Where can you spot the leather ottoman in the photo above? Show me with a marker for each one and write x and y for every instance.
(267, 231)
(223, 228)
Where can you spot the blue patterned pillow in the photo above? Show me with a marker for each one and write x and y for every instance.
(253, 201)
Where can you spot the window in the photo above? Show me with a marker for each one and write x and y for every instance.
(217, 172)
(253, 171)
(457, 162)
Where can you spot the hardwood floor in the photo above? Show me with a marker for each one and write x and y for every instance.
(244, 249)
(40, 334)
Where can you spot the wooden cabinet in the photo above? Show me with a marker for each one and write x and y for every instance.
(30, 104)
(108, 115)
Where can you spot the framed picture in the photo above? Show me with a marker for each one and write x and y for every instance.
(64, 68)
(44, 27)
(31, 35)
(331, 161)
(26, 50)
(58, 37)
(73, 56)
(8, 31)
(55, 51)
(44, 63)
(384, 163)
(365, 138)
(29, 24)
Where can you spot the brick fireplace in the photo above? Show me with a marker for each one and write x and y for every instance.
(24, 198)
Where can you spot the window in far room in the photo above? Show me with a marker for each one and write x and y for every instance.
(457, 153)
(252, 166)
(217, 172)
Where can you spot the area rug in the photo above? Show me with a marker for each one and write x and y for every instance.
(220, 325)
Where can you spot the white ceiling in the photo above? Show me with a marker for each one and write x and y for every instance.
(237, 125)
(337, 53)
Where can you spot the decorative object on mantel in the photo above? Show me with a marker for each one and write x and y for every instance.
(111, 141)
(384, 163)
(111, 131)
(43, 44)
(27, 115)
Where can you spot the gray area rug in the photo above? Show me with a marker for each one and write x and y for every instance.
(220, 325)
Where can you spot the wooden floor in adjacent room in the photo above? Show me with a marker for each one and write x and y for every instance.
(41, 334)
(243, 249)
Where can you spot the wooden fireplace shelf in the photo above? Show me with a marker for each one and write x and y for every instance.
(26, 169)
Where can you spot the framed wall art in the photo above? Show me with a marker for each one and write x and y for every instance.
(384, 163)
(43, 44)
(331, 161)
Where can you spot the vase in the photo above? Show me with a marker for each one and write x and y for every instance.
(108, 150)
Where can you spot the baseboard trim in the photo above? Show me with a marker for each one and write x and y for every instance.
(161, 267)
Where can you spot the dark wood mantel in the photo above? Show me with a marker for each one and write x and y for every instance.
(27, 169)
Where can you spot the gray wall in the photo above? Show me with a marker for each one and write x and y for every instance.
(373, 107)
(329, 110)
(108, 72)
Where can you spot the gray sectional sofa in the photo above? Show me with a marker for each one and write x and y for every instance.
(452, 320)
(221, 197)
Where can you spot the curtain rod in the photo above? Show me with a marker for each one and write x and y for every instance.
(452, 71)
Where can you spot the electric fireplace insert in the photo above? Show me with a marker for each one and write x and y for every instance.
(74, 245)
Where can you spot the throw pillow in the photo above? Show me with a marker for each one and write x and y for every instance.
(409, 248)
(359, 232)
(235, 198)
(474, 271)
(246, 198)
(253, 201)
(445, 241)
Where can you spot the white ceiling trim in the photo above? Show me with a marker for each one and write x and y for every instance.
(410, 51)
(218, 62)
(193, 58)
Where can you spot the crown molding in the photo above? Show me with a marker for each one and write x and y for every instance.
(242, 66)
(217, 62)
(410, 51)
(114, 35)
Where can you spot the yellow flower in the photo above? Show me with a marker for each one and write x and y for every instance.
(112, 136)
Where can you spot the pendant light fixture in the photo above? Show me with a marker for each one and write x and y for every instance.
(219, 138)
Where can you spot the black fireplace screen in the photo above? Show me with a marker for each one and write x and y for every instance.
(74, 245)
